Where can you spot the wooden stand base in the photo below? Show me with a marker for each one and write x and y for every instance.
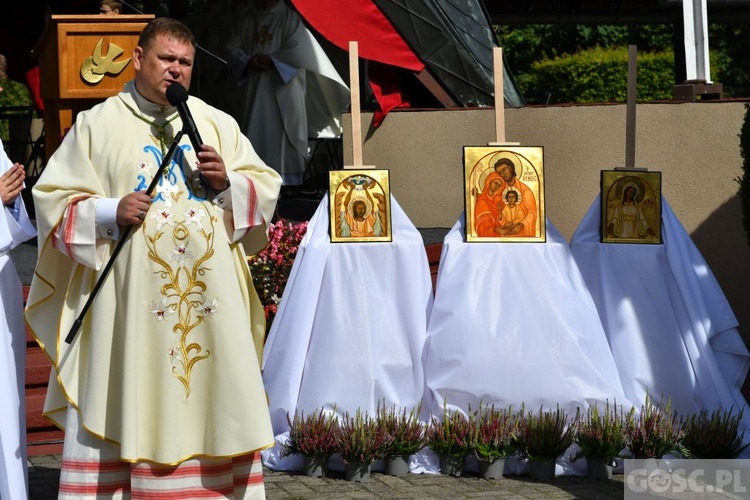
(697, 91)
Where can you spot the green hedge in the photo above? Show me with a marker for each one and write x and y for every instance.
(600, 75)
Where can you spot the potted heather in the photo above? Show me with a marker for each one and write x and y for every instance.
(493, 438)
(544, 437)
(360, 442)
(602, 437)
(406, 436)
(449, 439)
(314, 437)
(714, 436)
(656, 432)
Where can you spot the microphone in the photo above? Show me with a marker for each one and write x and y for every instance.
(178, 96)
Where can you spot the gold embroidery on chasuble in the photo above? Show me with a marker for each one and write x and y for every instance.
(264, 36)
(179, 236)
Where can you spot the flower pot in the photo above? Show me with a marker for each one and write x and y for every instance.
(452, 466)
(599, 468)
(396, 465)
(314, 465)
(543, 470)
(357, 471)
(493, 469)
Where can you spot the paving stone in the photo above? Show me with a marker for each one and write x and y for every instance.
(44, 476)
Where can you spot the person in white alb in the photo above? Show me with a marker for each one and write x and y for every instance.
(15, 228)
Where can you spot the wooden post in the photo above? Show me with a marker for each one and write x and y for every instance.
(497, 53)
(355, 105)
(630, 110)
(631, 100)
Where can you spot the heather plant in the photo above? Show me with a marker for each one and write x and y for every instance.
(405, 432)
(312, 435)
(604, 435)
(713, 436)
(546, 435)
(359, 439)
(656, 432)
(271, 266)
(451, 435)
(494, 433)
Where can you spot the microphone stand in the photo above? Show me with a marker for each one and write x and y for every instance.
(77, 323)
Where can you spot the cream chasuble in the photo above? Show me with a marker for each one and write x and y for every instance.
(167, 361)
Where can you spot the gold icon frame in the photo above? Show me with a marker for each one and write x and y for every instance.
(644, 208)
(361, 189)
(491, 173)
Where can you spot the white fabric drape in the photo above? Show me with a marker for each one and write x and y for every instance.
(671, 329)
(512, 324)
(350, 328)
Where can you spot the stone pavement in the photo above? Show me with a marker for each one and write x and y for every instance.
(44, 475)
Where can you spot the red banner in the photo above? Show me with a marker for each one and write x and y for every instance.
(359, 21)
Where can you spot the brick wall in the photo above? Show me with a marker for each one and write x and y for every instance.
(42, 435)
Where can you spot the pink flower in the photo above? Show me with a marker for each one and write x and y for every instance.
(271, 266)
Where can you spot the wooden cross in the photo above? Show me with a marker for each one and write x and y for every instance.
(497, 53)
(356, 129)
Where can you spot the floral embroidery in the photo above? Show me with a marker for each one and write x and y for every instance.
(174, 355)
(161, 310)
(194, 215)
(180, 253)
(145, 167)
(209, 308)
(183, 289)
(162, 216)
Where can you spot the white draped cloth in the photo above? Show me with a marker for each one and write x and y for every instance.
(671, 329)
(513, 324)
(15, 228)
(350, 328)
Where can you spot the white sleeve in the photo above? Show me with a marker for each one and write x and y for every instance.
(106, 218)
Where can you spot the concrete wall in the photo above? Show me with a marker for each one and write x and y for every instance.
(695, 146)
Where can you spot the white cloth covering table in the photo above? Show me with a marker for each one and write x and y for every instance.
(513, 324)
(350, 328)
(671, 329)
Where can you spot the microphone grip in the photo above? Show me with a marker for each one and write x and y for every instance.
(189, 127)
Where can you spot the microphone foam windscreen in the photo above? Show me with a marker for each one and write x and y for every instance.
(176, 94)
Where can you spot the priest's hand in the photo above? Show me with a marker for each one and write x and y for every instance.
(11, 183)
(212, 168)
(132, 208)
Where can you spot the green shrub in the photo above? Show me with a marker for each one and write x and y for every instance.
(600, 75)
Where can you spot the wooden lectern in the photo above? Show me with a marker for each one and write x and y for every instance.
(83, 59)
